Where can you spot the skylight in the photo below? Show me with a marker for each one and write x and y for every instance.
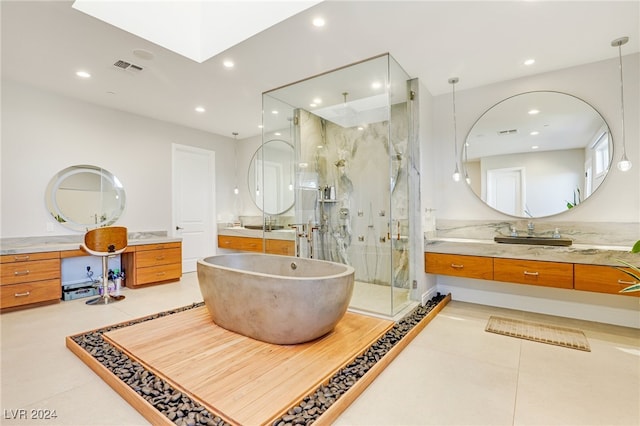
(197, 30)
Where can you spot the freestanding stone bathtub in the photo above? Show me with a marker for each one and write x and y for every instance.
(276, 299)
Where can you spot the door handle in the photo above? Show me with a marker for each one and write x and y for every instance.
(179, 228)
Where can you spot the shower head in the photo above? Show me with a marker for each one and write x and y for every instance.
(339, 163)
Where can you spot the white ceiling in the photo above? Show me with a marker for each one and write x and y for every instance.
(45, 42)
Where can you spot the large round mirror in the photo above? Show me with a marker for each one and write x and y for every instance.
(537, 154)
(85, 197)
(270, 177)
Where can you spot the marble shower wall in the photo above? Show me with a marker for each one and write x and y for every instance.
(366, 226)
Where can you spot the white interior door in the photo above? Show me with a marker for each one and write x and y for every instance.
(588, 177)
(194, 208)
(505, 190)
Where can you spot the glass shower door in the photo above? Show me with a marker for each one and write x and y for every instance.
(351, 182)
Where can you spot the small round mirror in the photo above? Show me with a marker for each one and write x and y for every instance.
(537, 154)
(85, 197)
(270, 177)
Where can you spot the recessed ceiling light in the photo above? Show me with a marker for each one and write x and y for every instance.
(360, 128)
(530, 62)
(200, 109)
(533, 112)
(535, 147)
(535, 132)
(376, 85)
(313, 105)
(83, 74)
(318, 22)
(228, 63)
(274, 112)
(277, 133)
(317, 101)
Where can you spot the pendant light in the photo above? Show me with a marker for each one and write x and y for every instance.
(236, 191)
(456, 172)
(624, 164)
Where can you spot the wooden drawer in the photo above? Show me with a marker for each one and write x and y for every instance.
(27, 257)
(548, 274)
(29, 271)
(459, 265)
(28, 293)
(602, 279)
(159, 246)
(158, 273)
(158, 257)
(240, 243)
(284, 247)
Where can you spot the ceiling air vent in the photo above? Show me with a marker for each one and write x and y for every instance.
(507, 132)
(127, 65)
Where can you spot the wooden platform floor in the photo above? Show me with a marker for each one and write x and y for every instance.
(242, 380)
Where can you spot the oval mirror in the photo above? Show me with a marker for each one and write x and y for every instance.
(270, 177)
(537, 154)
(85, 197)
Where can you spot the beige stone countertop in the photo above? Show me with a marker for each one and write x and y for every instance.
(72, 242)
(239, 231)
(576, 253)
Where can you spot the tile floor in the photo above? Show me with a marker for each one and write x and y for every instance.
(374, 298)
(453, 373)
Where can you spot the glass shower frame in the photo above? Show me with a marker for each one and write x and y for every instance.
(350, 129)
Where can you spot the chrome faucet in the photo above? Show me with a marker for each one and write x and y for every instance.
(300, 230)
(530, 228)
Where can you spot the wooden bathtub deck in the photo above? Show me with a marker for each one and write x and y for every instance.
(243, 380)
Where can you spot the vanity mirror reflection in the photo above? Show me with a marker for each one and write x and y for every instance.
(84, 197)
(270, 177)
(537, 154)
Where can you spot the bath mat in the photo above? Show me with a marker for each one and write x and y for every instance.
(559, 336)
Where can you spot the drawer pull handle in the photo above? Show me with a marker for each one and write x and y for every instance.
(535, 274)
(627, 282)
(16, 273)
(456, 266)
(161, 273)
(21, 258)
(159, 257)
(26, 293)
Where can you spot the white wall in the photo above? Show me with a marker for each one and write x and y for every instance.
(597, 84)
(43, 132)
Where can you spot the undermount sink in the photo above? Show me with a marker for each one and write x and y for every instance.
(268, 228)
(533, 240)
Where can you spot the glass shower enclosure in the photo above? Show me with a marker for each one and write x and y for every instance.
(350, 129)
